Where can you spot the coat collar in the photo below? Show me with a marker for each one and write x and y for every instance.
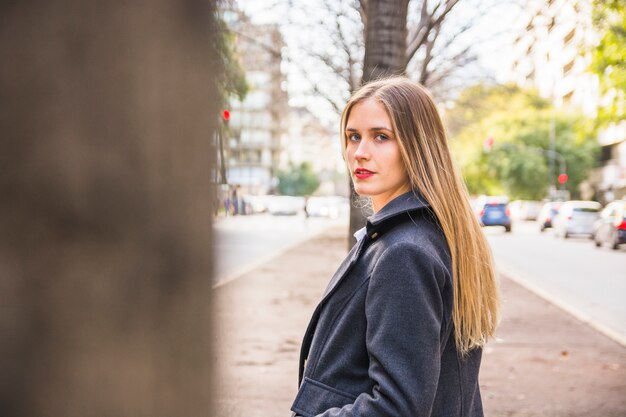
(393, 211)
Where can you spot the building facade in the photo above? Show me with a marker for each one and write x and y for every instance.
(547, 53)
(257, 124)
(608, 182)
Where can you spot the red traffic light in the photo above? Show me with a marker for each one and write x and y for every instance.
(226, 114)
(562, 178)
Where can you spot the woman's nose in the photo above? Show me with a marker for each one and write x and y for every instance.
(362, 150)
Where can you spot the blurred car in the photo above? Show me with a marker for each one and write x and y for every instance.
(257, 203)
(525, 209)
(611, 226)
(576, 218)
(327, 206)
(285, 205)
(530, 211)
(493, 211)
(548, 212)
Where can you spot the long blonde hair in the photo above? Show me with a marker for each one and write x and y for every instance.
(424, 149)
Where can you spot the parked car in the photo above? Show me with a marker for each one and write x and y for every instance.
(548, 212)
(327, 206)
(285, 205)
(576, 218)
(525, 209)
(257, 203)
(611, 226)
(494, 212)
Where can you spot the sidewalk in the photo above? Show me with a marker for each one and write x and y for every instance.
(544, 363)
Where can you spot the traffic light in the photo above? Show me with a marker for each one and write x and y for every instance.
(226, 115)
(562, 178)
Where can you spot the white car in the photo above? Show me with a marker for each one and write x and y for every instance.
(327, 206)
(576, 218)
(283, 205)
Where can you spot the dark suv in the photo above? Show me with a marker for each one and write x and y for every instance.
(495, 214)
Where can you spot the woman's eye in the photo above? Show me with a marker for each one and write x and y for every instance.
(381, 138)
(354, 137)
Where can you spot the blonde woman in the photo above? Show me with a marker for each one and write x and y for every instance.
(400, 327)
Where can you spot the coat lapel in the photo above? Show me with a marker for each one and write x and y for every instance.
(345, 266)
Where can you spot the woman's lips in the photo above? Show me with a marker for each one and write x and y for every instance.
(362, 173)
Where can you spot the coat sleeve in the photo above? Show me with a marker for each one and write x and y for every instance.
(404, 311)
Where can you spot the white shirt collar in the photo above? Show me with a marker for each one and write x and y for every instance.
(359, 234)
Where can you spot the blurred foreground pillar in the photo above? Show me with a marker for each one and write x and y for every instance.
(105, 210)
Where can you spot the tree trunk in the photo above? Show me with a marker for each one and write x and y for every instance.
(385, 38)
(385, 54)
(105, 228)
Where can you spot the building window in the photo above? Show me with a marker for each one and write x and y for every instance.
(606, 153)
(567, 98)
(569, 36)
(568, 67)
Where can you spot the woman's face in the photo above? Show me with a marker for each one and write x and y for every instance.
(373, 154)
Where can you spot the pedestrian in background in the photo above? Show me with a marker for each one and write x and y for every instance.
(400, 329)
(234, 201)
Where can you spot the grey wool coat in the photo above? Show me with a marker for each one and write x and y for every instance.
(381, 341)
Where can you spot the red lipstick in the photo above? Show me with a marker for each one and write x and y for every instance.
(362, 173)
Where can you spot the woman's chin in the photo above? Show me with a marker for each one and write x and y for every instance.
(362, 193)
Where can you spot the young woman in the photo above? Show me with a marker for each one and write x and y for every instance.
(400, 327)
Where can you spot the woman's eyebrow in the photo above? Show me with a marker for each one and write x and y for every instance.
(371, 129)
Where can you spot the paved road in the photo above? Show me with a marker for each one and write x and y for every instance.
(572, 273)
(246, 242)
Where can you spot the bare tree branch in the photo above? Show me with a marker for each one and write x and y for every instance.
(345, 46)
(416, 38)
(460, 59)
(449, 5)
(430, 44)
(340, 58)
(427, 23)
(269, 48)
(323, 94)
(335, 67)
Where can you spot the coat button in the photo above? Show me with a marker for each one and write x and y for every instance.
(374, 235)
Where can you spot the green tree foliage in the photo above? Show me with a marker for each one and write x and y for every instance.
(298, 180)
(519, 122)
(232, 80)
(609, 57)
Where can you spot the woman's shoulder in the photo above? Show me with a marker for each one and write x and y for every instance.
(417, 231)
(412, 254)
